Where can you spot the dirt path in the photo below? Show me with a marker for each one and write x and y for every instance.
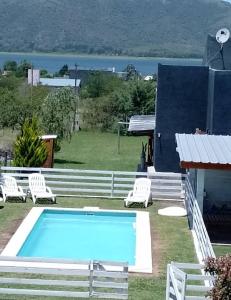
(8, 232)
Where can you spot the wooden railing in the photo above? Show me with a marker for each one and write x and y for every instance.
(73, 182)
(63, 278)
(201, 238)
(185, 282)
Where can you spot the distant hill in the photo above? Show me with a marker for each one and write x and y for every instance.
(132, 27)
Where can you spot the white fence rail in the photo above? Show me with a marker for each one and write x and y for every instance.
(202, 241)
(63, 278)
(73, 182)
(185, 282)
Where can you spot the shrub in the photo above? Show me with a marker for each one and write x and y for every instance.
(29, 149)
(220, 268)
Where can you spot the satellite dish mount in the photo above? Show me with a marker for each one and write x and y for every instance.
(222, 37)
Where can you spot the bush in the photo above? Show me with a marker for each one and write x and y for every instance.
(29, 149)
(220, 268)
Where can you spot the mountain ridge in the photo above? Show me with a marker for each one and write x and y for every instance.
(118, 27)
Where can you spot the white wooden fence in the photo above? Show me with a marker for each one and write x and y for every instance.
(63, 278)
(201, 238)
(185, 282)
(73, 182)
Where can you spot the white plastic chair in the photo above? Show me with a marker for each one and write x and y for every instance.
(141, 192)
(38, 188)
(10, 189)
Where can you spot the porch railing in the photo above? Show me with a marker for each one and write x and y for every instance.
(201, 238)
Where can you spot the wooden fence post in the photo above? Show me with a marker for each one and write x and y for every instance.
(168, 282)
(90, 279)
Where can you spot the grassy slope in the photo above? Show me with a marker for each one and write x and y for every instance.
(97, 150)
(171, 234)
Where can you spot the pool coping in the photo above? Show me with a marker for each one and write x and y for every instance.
(143, 254)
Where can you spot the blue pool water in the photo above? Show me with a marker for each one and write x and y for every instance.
(83, 235)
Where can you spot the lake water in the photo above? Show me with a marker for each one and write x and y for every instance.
(53, 63)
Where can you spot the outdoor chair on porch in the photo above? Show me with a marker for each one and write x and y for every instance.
(38, 188)
(141, 192)
(10, 189)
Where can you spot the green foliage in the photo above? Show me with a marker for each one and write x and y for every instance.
(57, 113)
(131, 73)
(22, 69)
(221, 268)
(29, 149)
(19, 70)
(10, 65)
(100, 84)
(44, 73)
(10, 82)
(63, 71)
(107, 100)
(8, 109)
(18, 101)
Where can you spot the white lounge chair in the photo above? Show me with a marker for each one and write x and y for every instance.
(141, 192)
(38, 188)
(10, 189)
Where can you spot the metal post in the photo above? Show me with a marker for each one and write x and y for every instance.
(118, 146)
(32, 82)
(76, 112)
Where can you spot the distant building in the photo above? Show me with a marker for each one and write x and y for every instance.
(59, 82)
(33, 77)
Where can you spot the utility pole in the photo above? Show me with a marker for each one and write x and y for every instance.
(76, 113)
(32, 82)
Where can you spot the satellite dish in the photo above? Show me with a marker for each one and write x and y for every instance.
(222, 35)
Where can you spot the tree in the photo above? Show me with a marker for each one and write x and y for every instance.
(8, 108)
(131, 73)
(58, 110)
(44, 73)
(63, 71)
(142, 96)
(10, 65)
(22, 68)
(100, 84)
(29, 149)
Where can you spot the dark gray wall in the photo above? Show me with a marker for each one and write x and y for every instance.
(221, 112)
(181, 107)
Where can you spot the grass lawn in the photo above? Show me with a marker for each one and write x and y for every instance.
(221, 249)
(171, 241)
(99, 151)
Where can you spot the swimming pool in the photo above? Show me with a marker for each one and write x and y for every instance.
(84, 234)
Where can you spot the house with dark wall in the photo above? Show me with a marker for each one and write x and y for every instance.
(191, 97)
(181, 106)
